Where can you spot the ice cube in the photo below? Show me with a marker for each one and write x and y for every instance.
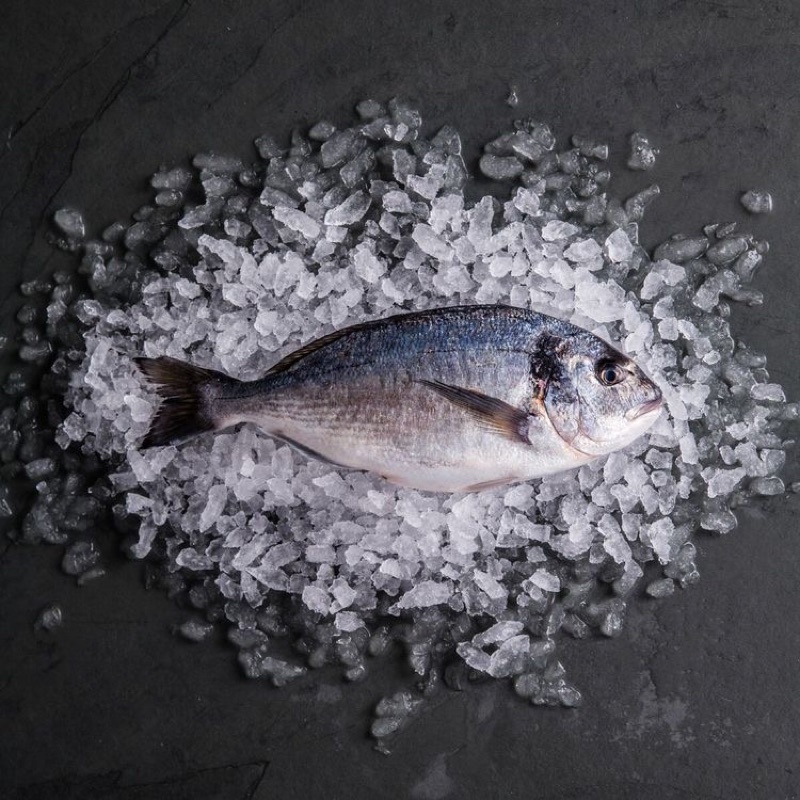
(178, 178)
(474, 657)
(192, 560)
(500, 168)
(546, 580)
(768, 391)
(557, 230)
(425, 594)
(757, 202)
(347, 622)
(50, 618)
(581, 251)
(80, 557)
(298, 221)
(767, 486)
(195, 630)
(70, 222)
(618, 246)
(498, 633)
(430, 242)
(217, 163)
(317, 599)
(349, 211)
(511, 658)
(642, 154)
(217, 499)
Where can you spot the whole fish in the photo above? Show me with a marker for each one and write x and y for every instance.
(451, 399)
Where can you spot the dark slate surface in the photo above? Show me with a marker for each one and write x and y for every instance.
(698, 698)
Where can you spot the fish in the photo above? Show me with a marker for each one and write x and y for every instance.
(454, 399)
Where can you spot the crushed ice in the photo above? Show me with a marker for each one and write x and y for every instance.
(355, 224)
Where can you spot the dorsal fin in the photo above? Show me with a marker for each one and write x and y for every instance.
(317, 344)
(306, 350)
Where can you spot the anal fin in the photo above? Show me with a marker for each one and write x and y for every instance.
(493, 484)
(307, 451)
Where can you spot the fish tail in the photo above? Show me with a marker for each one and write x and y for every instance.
(187, 393)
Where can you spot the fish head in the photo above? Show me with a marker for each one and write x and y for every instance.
(597, 398)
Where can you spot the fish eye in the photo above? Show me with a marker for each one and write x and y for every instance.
(610, 373)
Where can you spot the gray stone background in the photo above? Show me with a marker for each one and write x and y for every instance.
(699, 697)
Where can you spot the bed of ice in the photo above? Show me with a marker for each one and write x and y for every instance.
(236, 264)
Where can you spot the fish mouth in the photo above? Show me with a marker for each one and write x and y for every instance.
(645, 408)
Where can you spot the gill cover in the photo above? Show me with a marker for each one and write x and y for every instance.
(597, 399)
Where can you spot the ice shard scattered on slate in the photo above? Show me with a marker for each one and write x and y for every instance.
(642, 154)
(757, 202)
(70, 222)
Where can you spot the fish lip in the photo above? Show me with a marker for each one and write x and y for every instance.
(645, 408)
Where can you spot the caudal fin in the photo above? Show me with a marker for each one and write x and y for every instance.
(187, 393)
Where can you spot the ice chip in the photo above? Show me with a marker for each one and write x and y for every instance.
(317, 599)
(618, 246)
(511, 658)
(768, 391)
(80, 557)
(546, 580)
(217, 499)
(430, 242)
(298, 221)
(195, 630)
(556, 230)
(757, 202)
(642, 155)
(500, 168)
(585, 250)
(349, 211)
(474, 656)
(425, 594)
(722, 481)
(70, 222)
(50, 618)
(498, 633)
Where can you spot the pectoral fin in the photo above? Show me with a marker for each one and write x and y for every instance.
(489, 412)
